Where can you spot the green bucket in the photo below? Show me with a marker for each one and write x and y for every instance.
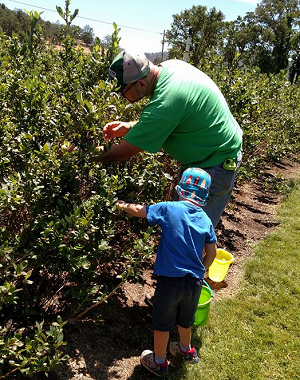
(202, 313)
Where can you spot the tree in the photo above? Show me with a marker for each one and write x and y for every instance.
(207, 28)
(51, 31)
(294, 67)
(239, 37)
(87, 35)
(106, 41)
(275, 23)
(23, 19)
(9, 22)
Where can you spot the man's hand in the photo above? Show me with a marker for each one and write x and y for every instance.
(115, 129)
(66, 146)
(100, 148)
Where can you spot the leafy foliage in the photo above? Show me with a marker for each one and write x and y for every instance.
(266, 38)
(277, 23)
(58, 230)
(18, 22)
(266, 108)
(62, 245)
(41, 353)
(206, 29)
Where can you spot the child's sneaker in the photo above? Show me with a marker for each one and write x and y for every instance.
(190, 355)
(148, 361)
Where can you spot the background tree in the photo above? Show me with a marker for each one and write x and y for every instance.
(266, 38)
(51, 31)
(87, 35)
(106, 41)
(239, 37)
(274, 23)
(10, 21)
(18, 22)
(294, 66)
(207, 28)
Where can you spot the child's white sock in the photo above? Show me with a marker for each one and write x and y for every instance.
(184, 348)
(159, 360)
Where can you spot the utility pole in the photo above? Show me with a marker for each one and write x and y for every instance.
(163, 44)
(188, 45)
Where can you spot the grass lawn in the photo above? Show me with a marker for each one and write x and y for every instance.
(255, 335)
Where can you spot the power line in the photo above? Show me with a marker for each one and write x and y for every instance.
(86, 18)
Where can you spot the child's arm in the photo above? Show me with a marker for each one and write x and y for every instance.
(210, 254)
(132, 209)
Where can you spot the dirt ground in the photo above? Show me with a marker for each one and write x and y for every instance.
(107, 343)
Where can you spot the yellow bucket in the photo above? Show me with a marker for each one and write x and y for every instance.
(219, 268)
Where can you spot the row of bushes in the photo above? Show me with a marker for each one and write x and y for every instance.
(266, 107)
(58, 230)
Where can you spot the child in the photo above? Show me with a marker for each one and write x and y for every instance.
(186, 231)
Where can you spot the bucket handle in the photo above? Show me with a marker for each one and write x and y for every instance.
(206, 284)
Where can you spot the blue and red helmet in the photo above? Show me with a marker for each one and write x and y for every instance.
(194, 185)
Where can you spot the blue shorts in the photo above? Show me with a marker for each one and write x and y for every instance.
(175, 302)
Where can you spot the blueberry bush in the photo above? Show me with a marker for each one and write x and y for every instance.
(59, 232)
(266, 107)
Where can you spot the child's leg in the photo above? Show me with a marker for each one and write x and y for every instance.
(185, 335)
(185, 317)
(184, 347)
(156, 361)
(161, 339)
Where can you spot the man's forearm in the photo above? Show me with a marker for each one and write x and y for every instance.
(120, 152)
(110, 156)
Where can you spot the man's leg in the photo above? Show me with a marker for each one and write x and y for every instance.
(222, 182)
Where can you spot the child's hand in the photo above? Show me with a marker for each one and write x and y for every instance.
(120, 205)
(131, 208)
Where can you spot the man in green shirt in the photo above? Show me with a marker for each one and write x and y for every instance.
(187, 116)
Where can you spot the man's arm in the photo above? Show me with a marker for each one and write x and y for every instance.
(132, 209)
(117, 129)
(120, 152)
(210, 254)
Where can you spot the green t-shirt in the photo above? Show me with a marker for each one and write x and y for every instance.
(188, 117)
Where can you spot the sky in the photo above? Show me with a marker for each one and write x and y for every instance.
(142, 24)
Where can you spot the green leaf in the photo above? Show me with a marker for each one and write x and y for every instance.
(79, 97)
(89, 105)
(60, 11)
(86, 264)
(46, 148)
(74, 14)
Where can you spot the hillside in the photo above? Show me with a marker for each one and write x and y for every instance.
(18, 22)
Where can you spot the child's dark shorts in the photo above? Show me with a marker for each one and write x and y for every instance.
(175, 302)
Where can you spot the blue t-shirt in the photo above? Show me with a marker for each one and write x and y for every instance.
(185, 230)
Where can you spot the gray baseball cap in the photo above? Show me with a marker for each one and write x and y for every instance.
(127, 68)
